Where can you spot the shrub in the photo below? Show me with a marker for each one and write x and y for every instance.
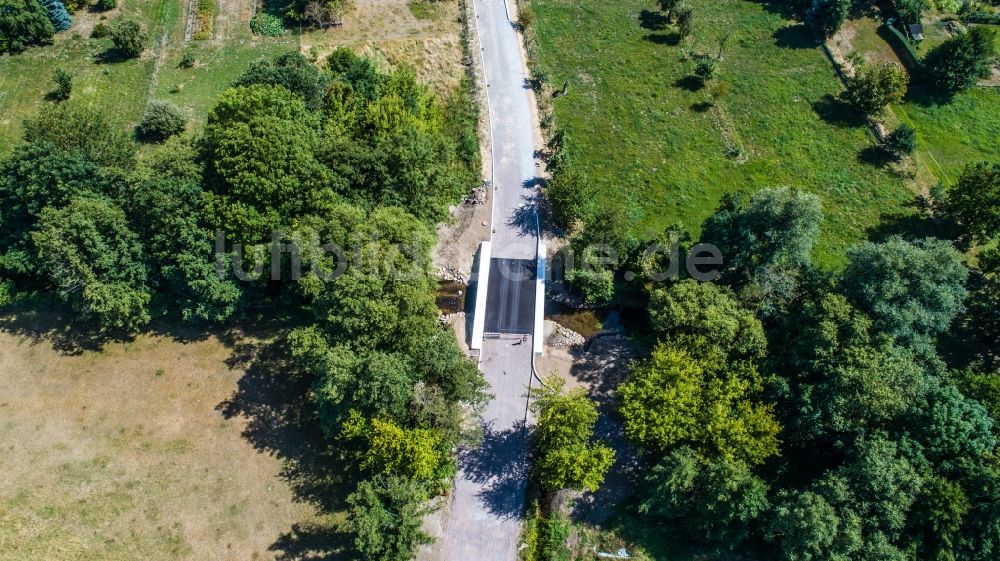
(685, 20)
(526, 17)
(100, 31)
(105, 5)
(187, 60)
(160, 121)
(705, 70)
(128, 37)
(64, 85)
(7, 292)
(901, 142)
(267, 25)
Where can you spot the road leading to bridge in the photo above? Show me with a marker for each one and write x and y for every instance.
(487, 504)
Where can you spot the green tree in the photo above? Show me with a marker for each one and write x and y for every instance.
(166, 207)
(951, 426)
(567, 459)
(128, 37)
(23, 23)
(571, 195)
(974, 202)
(81, 131)
(63, 85)
(901, 142)
(956, 64)
(89, 252)
(825, 17)
(872, 88)
(715, 500)
(912, 290)
(937, 519)
(766, 242)
(808, 528)
(160, 121)
(385, 516)
(690, 311)
(885, 482)
(291, 70)
(910, 11)
(262, 172)
(418, 454)
(675, 399)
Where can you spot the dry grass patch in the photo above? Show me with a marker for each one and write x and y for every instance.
(388, 30)
(133, 453)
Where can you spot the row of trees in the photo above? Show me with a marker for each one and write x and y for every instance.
(853, 437)
(346, 155)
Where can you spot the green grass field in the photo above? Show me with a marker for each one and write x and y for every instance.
(121, 89)
(658, 146)
(27, 77)
(953, 135)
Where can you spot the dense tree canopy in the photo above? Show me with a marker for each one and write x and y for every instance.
(88, 250)
(23, 23)
(974, 202)
(913, 290)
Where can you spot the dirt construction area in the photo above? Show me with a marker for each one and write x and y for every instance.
(140, 451)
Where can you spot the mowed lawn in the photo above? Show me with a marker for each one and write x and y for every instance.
(957, 133)
(654, 143)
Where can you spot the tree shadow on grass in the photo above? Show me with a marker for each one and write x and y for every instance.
(837, 112)
(311, 542)
(702, 106)
(45, 320)
(672, 38)
(690, 83)
(875, 156)
(927, 96)
(915, 222)
(796, 36)
(653, 21)
(273, 395)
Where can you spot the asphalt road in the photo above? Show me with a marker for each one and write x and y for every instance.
(487, 503)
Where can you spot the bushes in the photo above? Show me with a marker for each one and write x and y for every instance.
(267, 25)
(901, 142)
(105, 5)
(128, 38)
(23, 23)
(160, 121)
(64, 85)
(872, 88)
(100, 31)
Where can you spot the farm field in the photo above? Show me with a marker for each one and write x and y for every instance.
(646, 137)
(150, 450)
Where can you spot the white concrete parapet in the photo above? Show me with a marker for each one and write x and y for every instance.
(482, 286)
(538, 338)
